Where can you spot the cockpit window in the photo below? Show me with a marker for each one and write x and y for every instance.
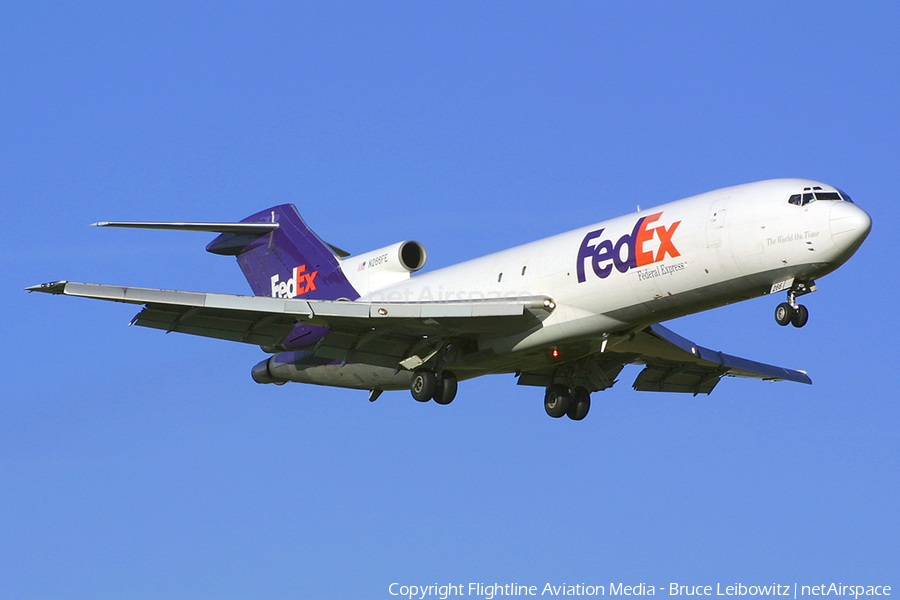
(844, 195)
(827, 196)
(811, 194)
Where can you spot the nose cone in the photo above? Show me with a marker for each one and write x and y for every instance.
(849, 226)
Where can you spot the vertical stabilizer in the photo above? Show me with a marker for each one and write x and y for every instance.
(290, 261)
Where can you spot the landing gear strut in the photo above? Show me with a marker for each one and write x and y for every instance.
(560, 400)
(791, 312)
(426, 385)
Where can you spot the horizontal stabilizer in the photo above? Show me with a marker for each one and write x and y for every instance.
(247, 231)
(258, 228)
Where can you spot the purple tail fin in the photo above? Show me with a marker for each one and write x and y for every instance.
(289, 262)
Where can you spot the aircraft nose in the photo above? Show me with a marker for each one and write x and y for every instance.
(849, 225)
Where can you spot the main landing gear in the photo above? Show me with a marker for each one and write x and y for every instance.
(791, 312)
(426, 385)
(560, 400)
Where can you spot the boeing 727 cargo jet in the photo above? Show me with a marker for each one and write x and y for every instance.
(565, 313)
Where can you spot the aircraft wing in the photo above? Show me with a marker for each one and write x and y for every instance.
(390, 328)
(672, 364)
(676, 364)
(389, 333)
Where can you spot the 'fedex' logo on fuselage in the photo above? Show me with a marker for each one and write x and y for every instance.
(604, 254)
(301, 283)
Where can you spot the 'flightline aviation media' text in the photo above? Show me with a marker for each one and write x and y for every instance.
(490, 591)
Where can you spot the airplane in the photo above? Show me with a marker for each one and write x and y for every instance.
(565, 313)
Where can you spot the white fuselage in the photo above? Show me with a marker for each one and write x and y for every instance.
(687, 256)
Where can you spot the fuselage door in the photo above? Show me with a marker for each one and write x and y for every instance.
(716, 223)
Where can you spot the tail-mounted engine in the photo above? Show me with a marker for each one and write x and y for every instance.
(387, 266)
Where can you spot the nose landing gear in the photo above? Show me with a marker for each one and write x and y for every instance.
(791, 312)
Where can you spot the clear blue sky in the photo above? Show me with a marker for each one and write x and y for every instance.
(138, 465)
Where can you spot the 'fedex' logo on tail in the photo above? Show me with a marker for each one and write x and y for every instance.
(301, 283)
(604, 254)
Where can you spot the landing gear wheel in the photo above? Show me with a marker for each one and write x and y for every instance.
(446, 388)
(557, 400)
(801, 316)
(784, 313)
(581, 404)
(423, 385)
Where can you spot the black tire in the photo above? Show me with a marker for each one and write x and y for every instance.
(423, 385)
(784, 313)
(801, 316)
(446, 389)
(557, 400)
(581, 404)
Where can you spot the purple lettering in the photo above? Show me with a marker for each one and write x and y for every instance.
(587, 251)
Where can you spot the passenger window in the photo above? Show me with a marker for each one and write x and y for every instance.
(795, 199)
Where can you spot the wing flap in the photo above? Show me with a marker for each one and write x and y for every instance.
(682, 379)
(262, 330)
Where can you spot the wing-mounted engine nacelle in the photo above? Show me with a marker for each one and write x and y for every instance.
(380, 268)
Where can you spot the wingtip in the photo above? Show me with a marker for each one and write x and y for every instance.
(799, 376)
(100, 224)
(52, 287)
